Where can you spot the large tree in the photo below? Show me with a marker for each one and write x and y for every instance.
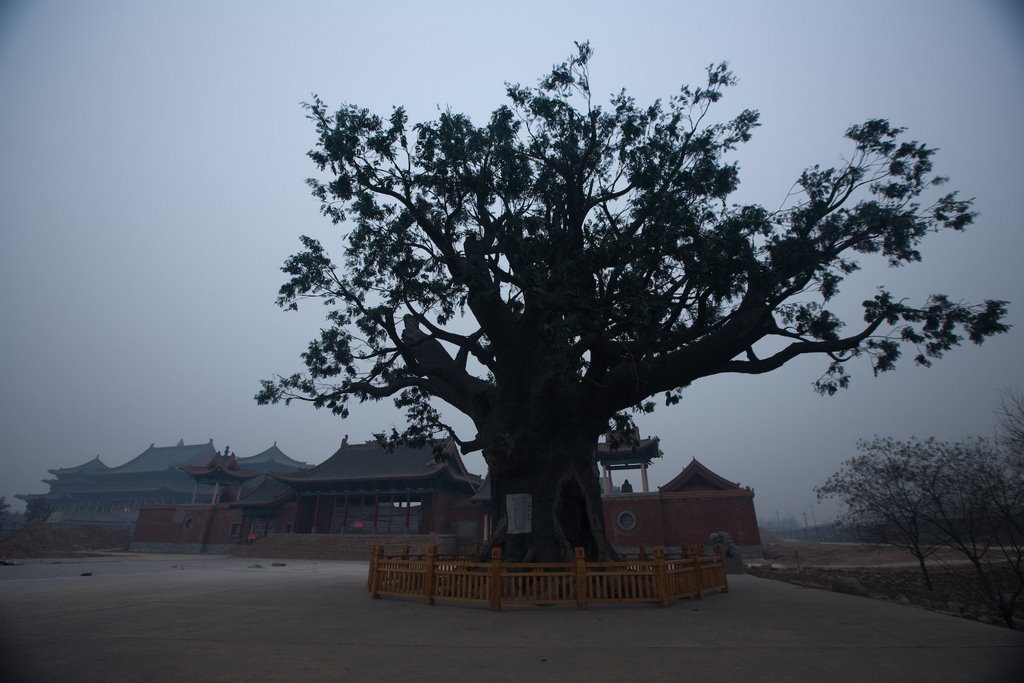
(556, 268)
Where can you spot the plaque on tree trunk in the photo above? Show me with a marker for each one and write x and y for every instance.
(518, 510)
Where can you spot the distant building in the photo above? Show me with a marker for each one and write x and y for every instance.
(93, 493)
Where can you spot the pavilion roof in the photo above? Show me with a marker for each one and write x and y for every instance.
(221, 468)
(620, 451)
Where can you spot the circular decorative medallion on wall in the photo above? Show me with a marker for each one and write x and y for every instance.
(626, 520)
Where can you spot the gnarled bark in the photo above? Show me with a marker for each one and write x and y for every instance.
(549, 503)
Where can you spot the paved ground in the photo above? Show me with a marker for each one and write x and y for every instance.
(180, 618)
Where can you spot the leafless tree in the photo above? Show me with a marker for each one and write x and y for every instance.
(976, 506)
(967, 496)
(1011, 421)
(881, 487)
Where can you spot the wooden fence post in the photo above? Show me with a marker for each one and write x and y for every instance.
(661, 576)
(378, 553)
(431, 567)
(581, 579)
(405, 552)
(495, 579)
(373, 568)
(643, 552)
(720, 551)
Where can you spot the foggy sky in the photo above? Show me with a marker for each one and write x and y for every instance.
(153, 167)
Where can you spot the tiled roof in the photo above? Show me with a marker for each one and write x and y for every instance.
(269, 491)
(157, 458)
(272, 460)
(172, 480)
(697, 477)
(94, 465)
(373, 461)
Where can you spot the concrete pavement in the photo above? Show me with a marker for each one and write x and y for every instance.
(179, 618)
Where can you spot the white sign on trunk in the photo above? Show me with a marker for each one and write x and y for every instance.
(519, 510)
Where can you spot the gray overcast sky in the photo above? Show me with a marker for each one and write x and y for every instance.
(152, 183)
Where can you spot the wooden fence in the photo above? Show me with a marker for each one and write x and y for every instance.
(657, 580)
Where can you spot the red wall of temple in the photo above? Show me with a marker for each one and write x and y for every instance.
(669, 519)
(649, 529)
(196, 525)
(677, 518)
(464, 518)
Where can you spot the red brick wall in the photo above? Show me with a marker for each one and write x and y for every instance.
(210, 525)
(691, 518)
(649, 530)
(676, 518)
(463, 518)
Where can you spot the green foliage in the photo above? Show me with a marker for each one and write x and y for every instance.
(568, 254)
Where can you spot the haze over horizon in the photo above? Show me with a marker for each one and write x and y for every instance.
(153, 184)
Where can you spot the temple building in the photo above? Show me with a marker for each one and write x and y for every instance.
(688, 509)
(362, 489)
(368, 493)
(367, 488)
(94, 493)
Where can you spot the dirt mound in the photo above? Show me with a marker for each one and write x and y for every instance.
(41, 540)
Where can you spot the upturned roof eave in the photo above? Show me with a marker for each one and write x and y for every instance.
(694, 468)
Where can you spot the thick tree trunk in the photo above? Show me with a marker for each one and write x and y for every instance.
(549, 503)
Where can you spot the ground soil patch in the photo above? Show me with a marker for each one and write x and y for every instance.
(40, 540)
(877, 571)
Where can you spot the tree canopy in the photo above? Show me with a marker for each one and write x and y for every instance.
(590, 253)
